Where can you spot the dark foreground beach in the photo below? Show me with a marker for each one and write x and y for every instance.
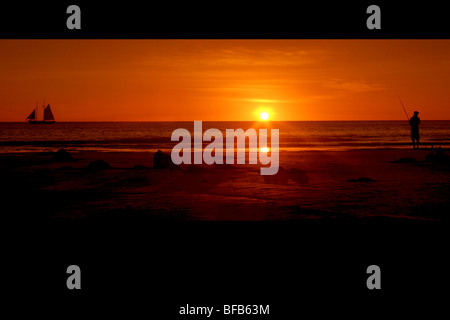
(349, 184)
(136, 235)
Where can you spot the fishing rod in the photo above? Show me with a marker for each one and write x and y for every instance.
(406, 113)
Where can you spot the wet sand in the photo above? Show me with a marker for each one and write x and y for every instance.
(311, 185)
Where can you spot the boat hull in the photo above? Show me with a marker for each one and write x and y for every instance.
(41, 122)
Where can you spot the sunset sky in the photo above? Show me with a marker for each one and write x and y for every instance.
(175, 80)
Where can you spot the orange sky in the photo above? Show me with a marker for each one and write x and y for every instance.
(159, 80)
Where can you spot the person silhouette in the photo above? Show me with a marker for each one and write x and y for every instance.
(414, 123)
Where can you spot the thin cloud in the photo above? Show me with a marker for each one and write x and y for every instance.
(354, 86)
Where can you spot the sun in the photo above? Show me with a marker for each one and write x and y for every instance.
(264, 115)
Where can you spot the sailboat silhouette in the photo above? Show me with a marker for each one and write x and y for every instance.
(48, 116)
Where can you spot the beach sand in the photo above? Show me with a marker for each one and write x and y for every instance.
(311, 185)
(141, 235)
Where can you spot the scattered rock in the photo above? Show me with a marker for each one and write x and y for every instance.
(431, 157)
(405, 160)
(361, 179)
(140, 167)
(162, 160)
(62, 156)
(437, 156)
(98, 165)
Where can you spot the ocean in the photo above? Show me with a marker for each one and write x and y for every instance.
(153, 136)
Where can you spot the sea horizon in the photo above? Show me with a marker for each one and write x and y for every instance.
(272, 121)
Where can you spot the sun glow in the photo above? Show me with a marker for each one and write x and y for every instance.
(265, 149)
(264, 115)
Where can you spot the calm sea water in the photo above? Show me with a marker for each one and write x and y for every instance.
(151, 136)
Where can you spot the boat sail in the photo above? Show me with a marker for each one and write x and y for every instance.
(32, 116)
(48, 116)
